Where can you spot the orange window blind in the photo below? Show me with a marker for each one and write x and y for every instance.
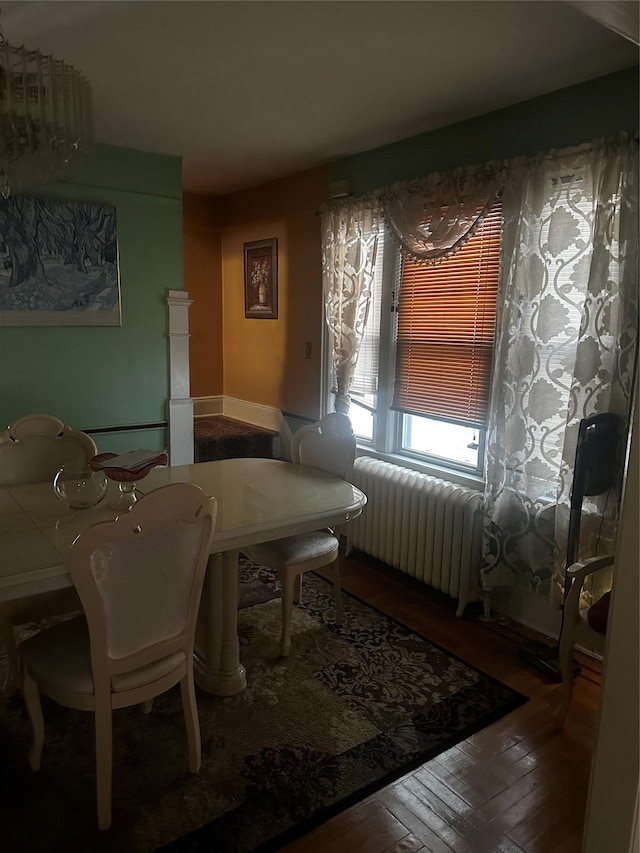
(446, 327)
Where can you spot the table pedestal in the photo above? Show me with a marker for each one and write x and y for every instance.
(217, 666)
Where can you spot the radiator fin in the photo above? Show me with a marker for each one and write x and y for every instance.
(426, 527)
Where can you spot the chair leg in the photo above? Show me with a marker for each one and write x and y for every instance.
(288, 583)
(565, 659)
(34, 710)
(560, 714)
(8, 639)
(297, 589)
(191, 720)
(337, 592)
(104, 760)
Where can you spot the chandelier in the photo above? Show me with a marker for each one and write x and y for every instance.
(46, 121)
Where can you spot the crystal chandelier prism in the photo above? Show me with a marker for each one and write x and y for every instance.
(46, 123)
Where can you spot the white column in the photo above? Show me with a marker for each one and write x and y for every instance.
(180, 404)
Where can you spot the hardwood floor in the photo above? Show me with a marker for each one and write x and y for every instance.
(518, 785)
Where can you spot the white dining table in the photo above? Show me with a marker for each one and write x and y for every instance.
(258, 500)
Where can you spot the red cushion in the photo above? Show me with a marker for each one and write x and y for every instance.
(598, 614)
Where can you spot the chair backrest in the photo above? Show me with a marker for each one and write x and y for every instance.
(37, 424)
(35, 447)
(140, 577)
(328, 444)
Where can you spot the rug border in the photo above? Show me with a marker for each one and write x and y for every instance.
(327, 812)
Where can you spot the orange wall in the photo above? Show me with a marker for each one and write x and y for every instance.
(264, 360)
(203, 281)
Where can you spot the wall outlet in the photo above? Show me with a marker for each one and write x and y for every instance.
(307, 349)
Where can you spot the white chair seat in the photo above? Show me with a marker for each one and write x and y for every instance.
(319, 545)
(61, 658)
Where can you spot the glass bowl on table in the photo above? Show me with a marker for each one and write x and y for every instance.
(79, 487)
(127, 470)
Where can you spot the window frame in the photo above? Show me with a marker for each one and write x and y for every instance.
(386, 443)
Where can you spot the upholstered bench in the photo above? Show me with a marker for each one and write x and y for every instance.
(220, 437)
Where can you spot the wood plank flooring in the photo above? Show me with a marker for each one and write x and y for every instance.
(518, 786)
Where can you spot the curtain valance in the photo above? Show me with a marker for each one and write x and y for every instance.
(433, 218)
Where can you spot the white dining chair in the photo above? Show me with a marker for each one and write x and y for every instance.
(32, 450)
(329, 445)
(139, 579)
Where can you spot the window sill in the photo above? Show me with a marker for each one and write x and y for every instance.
(453, 475)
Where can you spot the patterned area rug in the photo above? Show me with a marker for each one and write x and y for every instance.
(220, 437)
(352, 709)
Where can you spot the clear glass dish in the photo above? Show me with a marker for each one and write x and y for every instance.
(78, 487)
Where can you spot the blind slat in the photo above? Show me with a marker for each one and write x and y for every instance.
(446, 328)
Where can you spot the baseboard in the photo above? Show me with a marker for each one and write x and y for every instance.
(298, 421)
(534, 611)
(205, 406)
(253, 413)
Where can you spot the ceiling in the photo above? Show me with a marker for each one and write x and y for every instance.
(247, 92)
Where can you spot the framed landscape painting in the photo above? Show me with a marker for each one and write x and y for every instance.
(58, 263)
(261, 279)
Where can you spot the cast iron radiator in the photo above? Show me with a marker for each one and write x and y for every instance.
(424, 526)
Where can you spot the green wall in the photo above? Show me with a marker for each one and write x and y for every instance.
(598, 108)
(92, 377)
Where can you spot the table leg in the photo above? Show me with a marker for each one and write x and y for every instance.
(217, 664)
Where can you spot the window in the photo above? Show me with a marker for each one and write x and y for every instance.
(425, 394)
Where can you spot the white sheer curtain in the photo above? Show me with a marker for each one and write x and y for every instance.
(350, 236)
(565, 350)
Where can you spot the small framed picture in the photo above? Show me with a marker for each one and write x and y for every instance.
(261, 279)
